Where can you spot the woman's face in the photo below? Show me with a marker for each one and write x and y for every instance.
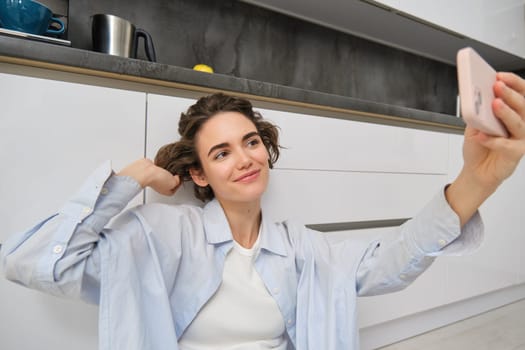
(233, 157)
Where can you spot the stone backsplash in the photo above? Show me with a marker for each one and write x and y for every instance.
(246, 41)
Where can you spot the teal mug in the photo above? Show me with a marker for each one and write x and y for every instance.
(28, 16)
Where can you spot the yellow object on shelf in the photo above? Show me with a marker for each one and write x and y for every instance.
(203, 68)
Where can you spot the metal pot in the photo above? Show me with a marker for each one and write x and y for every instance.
(29, 17)
(116, 36)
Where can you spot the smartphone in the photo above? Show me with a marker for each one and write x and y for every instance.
(476, 79)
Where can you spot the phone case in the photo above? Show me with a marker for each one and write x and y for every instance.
(476, 79)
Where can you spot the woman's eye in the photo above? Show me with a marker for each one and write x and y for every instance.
(221, 155)
(253, 142)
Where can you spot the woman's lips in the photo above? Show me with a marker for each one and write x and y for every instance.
(248, 177)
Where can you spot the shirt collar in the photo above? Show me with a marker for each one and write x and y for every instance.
(272, 239)
(218, 231)
(216, 225)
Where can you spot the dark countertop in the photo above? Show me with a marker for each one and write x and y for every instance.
(39, 54)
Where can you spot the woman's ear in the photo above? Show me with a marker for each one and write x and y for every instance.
(198, 177)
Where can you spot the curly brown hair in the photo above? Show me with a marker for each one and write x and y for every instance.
(181, 156)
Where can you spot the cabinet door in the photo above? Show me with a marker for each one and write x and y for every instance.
(320, 143)
(52, 135)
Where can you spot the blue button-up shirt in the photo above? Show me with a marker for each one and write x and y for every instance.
(158, 264)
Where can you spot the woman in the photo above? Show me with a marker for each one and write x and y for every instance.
(224, 276)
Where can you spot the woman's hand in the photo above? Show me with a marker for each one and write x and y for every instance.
(147, 174)
(493, 159)
(489, 160)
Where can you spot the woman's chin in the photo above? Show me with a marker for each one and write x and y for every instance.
(245, 196)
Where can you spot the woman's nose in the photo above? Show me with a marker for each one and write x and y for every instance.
(243, 160)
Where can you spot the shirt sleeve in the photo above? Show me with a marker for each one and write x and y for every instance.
(393, 262)
(59, 255)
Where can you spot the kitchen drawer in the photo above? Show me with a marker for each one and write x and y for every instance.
(315, 197)
(334, 144)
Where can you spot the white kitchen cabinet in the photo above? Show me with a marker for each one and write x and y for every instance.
(496, 265)
(334, 170)
(52, 136)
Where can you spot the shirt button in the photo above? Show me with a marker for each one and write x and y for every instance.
(104, 190)
(86, 210)
(276, 291)
(403, 276)
(289, 321)
(57, 249)
(442, 242)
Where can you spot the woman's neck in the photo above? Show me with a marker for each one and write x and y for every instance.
(244, 220)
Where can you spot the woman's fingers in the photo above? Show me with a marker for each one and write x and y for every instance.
(509, 105)
(166, 183)
(513, 121)
(511, 89)
(175, 184)
(513, 81)
(494, 143)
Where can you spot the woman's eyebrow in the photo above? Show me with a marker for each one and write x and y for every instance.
(249, 135)
(220, 145)
(226, 144)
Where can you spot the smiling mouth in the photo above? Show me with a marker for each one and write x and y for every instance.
(248, 177)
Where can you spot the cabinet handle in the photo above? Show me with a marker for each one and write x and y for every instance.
(356, 225)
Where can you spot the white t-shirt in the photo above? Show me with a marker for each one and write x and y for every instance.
(241, 314)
